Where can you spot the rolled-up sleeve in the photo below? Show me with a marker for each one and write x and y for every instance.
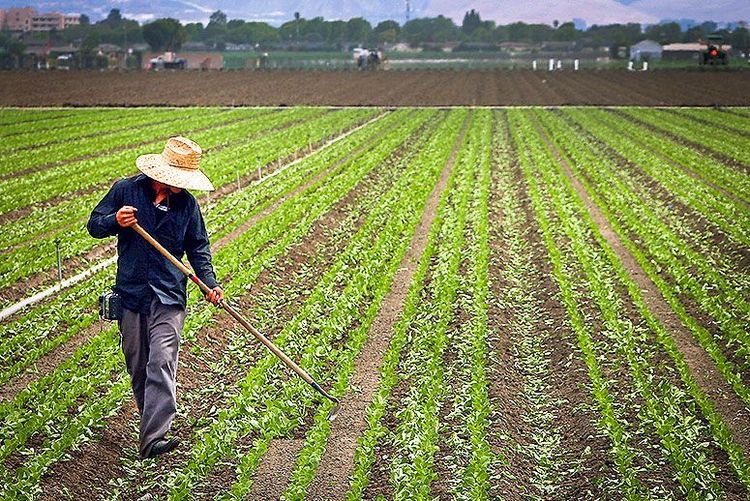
(198, 249)
(102, 222)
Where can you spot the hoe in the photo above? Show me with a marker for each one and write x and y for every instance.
(235, 314)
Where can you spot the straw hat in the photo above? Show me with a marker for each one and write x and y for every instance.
(177, 165)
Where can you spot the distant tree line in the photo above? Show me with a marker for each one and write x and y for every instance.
(317, 33)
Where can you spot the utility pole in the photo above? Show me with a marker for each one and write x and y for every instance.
(408, 10)
(296, 18)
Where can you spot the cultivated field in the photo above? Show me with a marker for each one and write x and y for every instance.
(543, 302)
(379, 88)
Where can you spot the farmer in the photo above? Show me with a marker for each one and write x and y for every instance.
(152, 289)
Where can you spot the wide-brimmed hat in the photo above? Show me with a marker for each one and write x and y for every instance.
(178, 165)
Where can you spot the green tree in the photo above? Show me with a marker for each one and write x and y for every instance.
(566, 32)
(694, 34)
(113, 19)
(430, 29)
(11, 52)
(194, 32)
(253, 33)
(471, 22)
(358, 30)
(740, 39)
(215, 33)
(164, 34)
(337, 32)
(219, 18)
(664, 33)
(386, 32)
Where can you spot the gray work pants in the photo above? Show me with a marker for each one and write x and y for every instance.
(150, 343)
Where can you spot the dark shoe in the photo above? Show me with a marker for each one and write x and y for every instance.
(162, 446)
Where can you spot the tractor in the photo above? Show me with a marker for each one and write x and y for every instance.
(367, 59)
(714, 53)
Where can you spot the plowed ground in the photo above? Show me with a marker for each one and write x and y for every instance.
(383, 88)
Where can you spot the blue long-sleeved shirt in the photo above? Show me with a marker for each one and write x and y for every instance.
(142, 272)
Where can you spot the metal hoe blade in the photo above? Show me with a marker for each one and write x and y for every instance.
(333, 413)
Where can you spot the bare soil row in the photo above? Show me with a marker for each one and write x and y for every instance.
(381, 88)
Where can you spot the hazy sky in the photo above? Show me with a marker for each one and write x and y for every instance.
(501, 11)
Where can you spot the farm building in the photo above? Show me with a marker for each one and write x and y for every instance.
(685, 51)
(646, 50)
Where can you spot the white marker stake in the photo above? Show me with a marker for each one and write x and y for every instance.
(551, 65)
(533, 65)
(575, 64)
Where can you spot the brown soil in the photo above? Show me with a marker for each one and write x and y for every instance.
(76, 264)
(726, 402)
(706, 150)
(719, 127)
(382, 88)
(332, 476)
(576, 412)
(739, 253)
(274, 471)
(196, 372)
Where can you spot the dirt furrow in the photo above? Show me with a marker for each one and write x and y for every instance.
(331, 480)
(315, 250)
(52, 359)
(583, 447)
(76, 263)
(703, 369)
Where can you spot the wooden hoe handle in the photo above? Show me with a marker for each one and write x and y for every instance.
(234, 313)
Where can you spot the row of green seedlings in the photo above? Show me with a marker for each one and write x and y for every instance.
(271, 237)
(710, 203)
(368, 192)
(719, 119)
(466, 452)
(387, 257)
(734, 146)
(528, 326)
(35, 232)
(596, 354)
(222, 166)
(717, 290)
(20, 348)
(673, 411)
(709, 169)
(67, 209)
(389, 163)
(21, 160)
(611, 196)
(15, 119)
(611, 421)
(84, 124)
(74, 176)
(312, 451)
(327, 331)
(662, 186)
(18, 341)
(445, 238)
